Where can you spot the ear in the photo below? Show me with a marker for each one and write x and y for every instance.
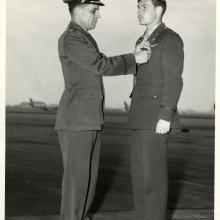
(77, 10)
(159, 11)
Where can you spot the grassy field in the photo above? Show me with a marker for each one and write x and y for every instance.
(34, 166)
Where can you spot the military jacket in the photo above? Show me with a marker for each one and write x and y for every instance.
(81, 104)
(159, 82)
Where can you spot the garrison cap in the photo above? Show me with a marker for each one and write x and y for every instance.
(95, 2)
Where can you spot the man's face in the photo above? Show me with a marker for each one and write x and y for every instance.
(89, 15)
(146, 12)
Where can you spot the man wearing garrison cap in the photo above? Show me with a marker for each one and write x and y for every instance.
(153, 111)
(80, 113)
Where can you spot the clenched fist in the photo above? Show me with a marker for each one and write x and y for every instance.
(141, 56)
(142, 52)
(162, 127)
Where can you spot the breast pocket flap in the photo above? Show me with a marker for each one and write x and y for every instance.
(88, 93)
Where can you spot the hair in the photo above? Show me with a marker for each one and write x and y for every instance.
(72, 6)
(161, 3)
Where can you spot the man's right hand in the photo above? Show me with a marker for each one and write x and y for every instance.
(144, 45)
(142, 56)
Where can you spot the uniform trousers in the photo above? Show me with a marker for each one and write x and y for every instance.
(80, 152)
(149, 174)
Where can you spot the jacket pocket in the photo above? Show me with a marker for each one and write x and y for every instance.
(86, 106)
(143, 92)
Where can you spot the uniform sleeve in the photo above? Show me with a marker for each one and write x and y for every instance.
(86, 55)
(172, 66)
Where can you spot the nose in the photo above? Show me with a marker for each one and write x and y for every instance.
(98, 14)
(138, 12)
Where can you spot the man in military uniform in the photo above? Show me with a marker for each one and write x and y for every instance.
(153, 111)
(80, 113)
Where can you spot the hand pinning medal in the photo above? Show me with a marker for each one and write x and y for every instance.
(147, 43)
(144, 45)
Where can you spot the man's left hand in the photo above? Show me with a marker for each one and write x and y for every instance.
(162, 127)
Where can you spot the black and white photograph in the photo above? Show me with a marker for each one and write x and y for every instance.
(110, 110)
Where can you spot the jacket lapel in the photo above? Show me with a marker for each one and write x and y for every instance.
(154, 37)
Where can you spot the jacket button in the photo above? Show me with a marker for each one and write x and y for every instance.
(68, 123)
(91, 96)
(155, 96)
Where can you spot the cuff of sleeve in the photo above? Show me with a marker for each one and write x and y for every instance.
(130, 63)
(166, 114)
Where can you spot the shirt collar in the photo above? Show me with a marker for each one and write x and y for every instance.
(153, 29)
(72, 25)
(155, 34)
(156, 28)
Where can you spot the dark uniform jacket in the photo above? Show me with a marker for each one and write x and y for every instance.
(81, 105)
(158, 82)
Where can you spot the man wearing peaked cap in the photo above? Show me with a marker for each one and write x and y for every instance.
(153, 111)
(79, 117)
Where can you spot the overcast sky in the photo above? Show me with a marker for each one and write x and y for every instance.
(33, 67)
